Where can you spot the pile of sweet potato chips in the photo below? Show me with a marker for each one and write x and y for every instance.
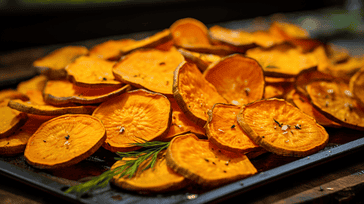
(220, 96)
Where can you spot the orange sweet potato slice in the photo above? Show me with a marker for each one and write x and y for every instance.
(110, 50)
(223, 130)
(202, 60)
(336, 53)
(356, 85)
(238, 38)
(158, 179)
(304, 104)
(283, 60)
(133, 116)
(11, 119)
(91, 72)
(64, 141)
(281, 128)
(206, 164)
(193, 93)
(238, 79)
(35, 83)
(16, 143)
(181, 124)
(62, 92)
(266, 39)
(53, 65)
(12, 94)
(151, 69)
(274, 90)
(346, 69)
(334, 100)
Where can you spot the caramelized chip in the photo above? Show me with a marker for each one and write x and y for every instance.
(274, 90)
(149, 68)
(283, 60)
(193, 93)
(91, 72)
(356, 86)
(62, 92)
(336, 53)
(304, 104)
(12, 94)
(64, 141)
(53, 65)
(334, 100)
(223, 130)
(110, 50)
(11, 119)
(35, 83)
(266, 39)
(201, 60)
(158, 179)
(281, 128)
(206, 164)
(306, 76)
(133, 116)
(238, 79)
(346, 69)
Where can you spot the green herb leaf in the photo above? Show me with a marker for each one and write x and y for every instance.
(150, 149)
(272, 67)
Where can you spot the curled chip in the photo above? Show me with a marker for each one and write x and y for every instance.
(356, 86)
(238, 79)
(11, 119)
(12, 94)
(334, 100)
(193, 93)
(238, 38)
(132, 117)
(151, 69)
(158, 179)
(206, 164)
(62, 92)
(202, 60)
(53, 65)
(281, 128)
(35, 83)
(110, 50)
(64, 141)
(91, 72)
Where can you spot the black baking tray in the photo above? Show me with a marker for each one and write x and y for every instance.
(342, 143)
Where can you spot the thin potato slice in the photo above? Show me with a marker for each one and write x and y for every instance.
(193, 93)
(238, 38)
(356, 86)
(110, 50)
(12, 94)
(53, 65)
(334, 100)
(158, 179)
(181, 124)
(283, 60)
(132, 117)
(41, 109)
(16, 143)
(238, 79)
(281, 128)
(223, 130)
(304, 104)
(64, 141)
(202, 60)
(307, 76)
(206, 164)
(266, 39)
(346, 69)
(35, 83)
(91, 72)
(336, 53)
(62, 92)
(274, 90)
(11, 119)
(151, 69)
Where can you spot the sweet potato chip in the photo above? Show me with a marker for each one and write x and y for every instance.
(238, 79)
(16, 143)
(356, 86)
(133, 116)
(306, 76)
(158, 179)
(281, 128)
(62, 92)
(64, 141)
(238, 38)
(110, 50)
(223, 130)
(149, 68)
(336, 53)
(283, 60)
(53, 65)
(201, 60)
(273, 91)
(346, 69)
(304, 104)
(193, 93)
(334, 100)
(11, 119)
(12, 94)
(266, 39)
(181, 124)
(35, 83)
(91, 72)
(206, 164)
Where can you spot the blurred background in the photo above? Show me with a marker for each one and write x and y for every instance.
(32, 23)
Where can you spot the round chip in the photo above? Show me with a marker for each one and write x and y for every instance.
(238, 79)
(64, 141)
(281, 128)
(11, 119)
(110, 50)
(35, 83)
(206, 164)
(133, 117)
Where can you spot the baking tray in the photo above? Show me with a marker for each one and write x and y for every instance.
(342, 143)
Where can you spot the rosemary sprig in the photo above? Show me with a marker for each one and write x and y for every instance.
(150, 149)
